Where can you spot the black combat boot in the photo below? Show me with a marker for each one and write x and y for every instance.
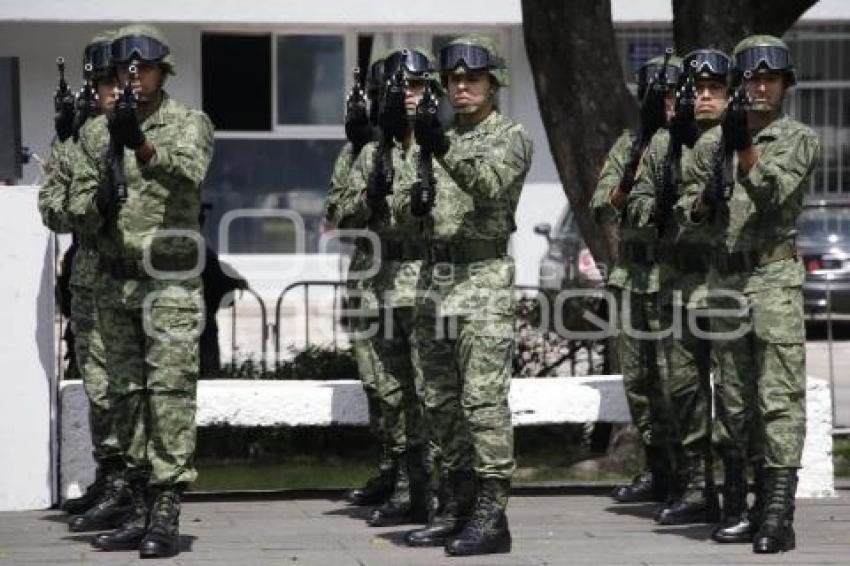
(81, 504)
(378, 488)
(487, 531)
(698, 501)
(736, 526)
(110, 510)
(163, 537)
(130, 534)
(653, 484)
(451, 518)
(776, 528)
(409, 500)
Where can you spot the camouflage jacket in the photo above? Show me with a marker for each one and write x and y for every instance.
(478, 184)
(53, 198)
(760, 218)
(53, 194)
(678, 245)
(395, 284)
(639, 275)
(163, 194)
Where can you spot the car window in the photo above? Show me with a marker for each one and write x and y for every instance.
(831, 223)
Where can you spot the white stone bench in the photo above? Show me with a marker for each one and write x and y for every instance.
(539, 401)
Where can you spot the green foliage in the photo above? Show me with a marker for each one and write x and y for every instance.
(315, 362)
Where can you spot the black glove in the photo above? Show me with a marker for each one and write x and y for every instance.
(683, 127)
(379, 184)
(63, 121)
(429, 132)
(124, 126)
(736, 133)
(653, 114)
(106, 198)
(358, 130)
(392, 117)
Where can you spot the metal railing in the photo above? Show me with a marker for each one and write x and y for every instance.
(264, 326)
(306, 285)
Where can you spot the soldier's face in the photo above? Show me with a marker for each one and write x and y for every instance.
(413, 94)
(470, 91)
(106, 93)
(767, 91)
(146, 83)
(712, 96)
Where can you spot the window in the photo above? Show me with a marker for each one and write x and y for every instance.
(279, 126)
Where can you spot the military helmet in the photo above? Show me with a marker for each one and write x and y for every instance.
(97, 55)
(473, 53)
(416, 63)
(144, 43)
(707, 64)
(762, 53)
(652, 68)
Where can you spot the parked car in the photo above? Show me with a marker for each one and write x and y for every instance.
(568, 262)
(823, 243)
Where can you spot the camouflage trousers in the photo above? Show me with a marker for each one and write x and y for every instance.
(153, 362)
(642, 364)
(364, 356)
(91, 363)
(686, 381)
(467, 365)
(760, 378)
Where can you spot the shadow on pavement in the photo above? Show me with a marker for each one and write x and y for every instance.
(642, 510)
(694, 532)
(55, 517)
(351, 511)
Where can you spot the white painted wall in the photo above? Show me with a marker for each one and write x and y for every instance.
(27, 353)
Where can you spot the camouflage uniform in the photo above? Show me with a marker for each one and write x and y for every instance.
(468, 291)
(634, 281)
(150, 325)
(760, 377)
(361, 299)
(393, 351)
(88, 344)
(684, 359)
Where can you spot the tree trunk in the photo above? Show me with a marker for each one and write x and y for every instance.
(584, 102)
(722, 23)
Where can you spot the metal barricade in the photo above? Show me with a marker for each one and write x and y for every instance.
(306, 285)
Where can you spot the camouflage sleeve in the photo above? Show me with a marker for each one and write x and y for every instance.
(339, 182)
(609, 178)
(82, 208)
(695, 177)
(53, 194)
(185, 158)
(352, 211)
(491, 168)
(781, 169)
(640, 206)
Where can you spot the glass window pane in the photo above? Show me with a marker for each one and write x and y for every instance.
(310, 79)
(268, 175)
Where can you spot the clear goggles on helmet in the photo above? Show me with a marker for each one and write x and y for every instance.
(771, 57)
(98, 55)
(413, 61)
(711, 62)
(473, 57)
(138, 47)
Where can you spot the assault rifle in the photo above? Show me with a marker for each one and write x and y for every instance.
(87, 102)
(653, 100)
(393, 126)
(126, 102)
(423, 194)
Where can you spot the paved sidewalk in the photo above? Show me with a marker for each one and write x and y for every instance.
(549, 529)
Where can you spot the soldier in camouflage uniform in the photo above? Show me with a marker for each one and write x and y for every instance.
(149, 295)
(479, 166)
(759, 377)
(683, 265)
(633, 280)
(105, 493)
(360, 124)
(368, 205)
